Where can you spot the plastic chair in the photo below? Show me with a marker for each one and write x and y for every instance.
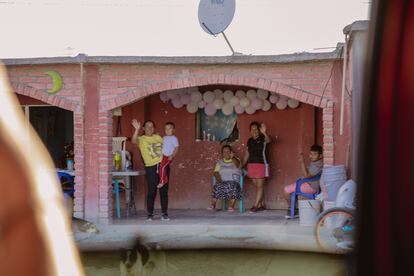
(241, 202)
(297, 192)
(118, 144)
(67, 182)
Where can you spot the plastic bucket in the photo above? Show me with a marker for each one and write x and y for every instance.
(308, 212)
(333, 178)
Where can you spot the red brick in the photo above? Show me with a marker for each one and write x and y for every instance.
(328, 154)
(328, 111)
(103, 201)
(221, 78)
(274, 86)
(292, 93)
(78, 208)
(311, 99)
(79, 201)
(327, 124)
(328, 139)
(103, 208)
(304, 97)
(251, 81)
(328, 131)
(260, 83)
(267, 84)
(235, 80)
(108, 84)
(192, 81)
(327, 117)
(127, 84)
(72, 86)
(227, 79)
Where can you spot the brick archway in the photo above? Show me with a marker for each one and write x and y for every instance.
(240, 80)
(43, 96)
(78, 125)
(140, 92)
(226, 79)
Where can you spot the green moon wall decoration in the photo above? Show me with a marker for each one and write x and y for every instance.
(57, 82)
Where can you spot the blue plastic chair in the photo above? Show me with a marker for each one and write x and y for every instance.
(67, 180)
(297, 192)
(241, 202)
(116, 190)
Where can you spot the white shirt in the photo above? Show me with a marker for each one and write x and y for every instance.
(169, 144)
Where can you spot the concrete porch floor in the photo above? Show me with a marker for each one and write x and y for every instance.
(202, 229)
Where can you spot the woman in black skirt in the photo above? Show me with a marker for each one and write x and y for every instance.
(227, 173)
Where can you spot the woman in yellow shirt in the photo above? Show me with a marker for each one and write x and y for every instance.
(150, 146)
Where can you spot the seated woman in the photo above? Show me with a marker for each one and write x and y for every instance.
(227, 173)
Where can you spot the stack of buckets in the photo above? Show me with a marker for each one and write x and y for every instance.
(331, 180)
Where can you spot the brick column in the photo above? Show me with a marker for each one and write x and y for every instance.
(105, 166)
(328, 131)
(90, 86)
(79, 204)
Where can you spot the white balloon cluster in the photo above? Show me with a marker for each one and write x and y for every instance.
(240, 101)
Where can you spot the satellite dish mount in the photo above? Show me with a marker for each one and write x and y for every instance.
(215, 16)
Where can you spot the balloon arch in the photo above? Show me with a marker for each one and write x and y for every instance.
(227, 101)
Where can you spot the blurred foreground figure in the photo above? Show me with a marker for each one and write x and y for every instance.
(35, 237)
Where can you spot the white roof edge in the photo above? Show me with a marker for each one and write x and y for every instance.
(238, 59)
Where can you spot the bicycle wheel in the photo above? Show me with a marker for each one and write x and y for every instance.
(334, 230)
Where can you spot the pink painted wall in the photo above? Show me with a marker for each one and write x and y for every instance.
(192, 170)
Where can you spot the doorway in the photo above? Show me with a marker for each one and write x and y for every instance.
(54, 126)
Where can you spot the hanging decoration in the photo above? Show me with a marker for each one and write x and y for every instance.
(56, 80)
(228, 102)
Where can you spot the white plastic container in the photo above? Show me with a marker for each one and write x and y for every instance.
(308, 212)
(332, 179)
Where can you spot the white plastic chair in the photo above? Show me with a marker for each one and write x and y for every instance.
(118, 144)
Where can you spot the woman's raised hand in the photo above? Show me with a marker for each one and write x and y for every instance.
(136, 124)
(263, 128)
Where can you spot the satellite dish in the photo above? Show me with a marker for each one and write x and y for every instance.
(216, 15)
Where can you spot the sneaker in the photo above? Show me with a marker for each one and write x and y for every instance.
(211, 208)
(254, 209)
(295, 214)
(150, 217)
(165, 217)
(230, 209)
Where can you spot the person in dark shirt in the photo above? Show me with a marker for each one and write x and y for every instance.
(255, 158)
